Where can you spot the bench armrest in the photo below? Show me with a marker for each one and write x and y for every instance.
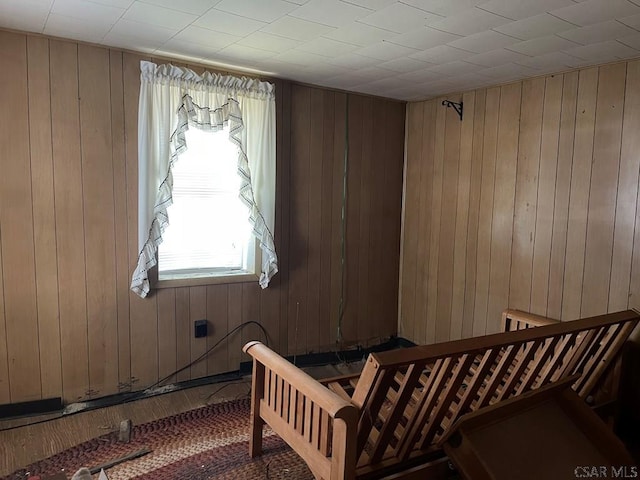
(316, 422)
(517, 320)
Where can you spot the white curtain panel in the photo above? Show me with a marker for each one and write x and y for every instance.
(174, 99)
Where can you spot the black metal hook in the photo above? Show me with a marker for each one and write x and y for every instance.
(456, 106)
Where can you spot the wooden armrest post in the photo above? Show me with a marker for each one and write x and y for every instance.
(257, 391)
(344, 444)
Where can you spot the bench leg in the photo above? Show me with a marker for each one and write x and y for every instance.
(257, 392)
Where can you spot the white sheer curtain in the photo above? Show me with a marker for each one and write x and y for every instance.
(174, 99)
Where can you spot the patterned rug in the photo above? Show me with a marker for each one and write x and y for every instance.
(206, 443)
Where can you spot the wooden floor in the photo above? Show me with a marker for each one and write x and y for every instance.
(22, 442)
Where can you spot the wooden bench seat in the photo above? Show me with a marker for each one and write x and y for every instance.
(394, 415)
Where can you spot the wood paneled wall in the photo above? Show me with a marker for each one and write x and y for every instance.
(70, 327)
(531, 202)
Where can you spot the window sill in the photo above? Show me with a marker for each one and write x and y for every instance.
(199, 281)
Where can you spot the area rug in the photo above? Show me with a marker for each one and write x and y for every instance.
(206, 443)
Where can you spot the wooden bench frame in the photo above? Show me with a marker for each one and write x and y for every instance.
(395, 413)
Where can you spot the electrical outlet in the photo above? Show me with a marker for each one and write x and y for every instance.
(200, 328)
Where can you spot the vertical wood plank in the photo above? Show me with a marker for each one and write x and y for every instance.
(5, 386)
(462, 218)
(217, 313)
(474, 210)
(299, 208)
(623, 245)
(143, 312)
(251, 313)
(312, 319)
(425, 219)
(579, 195)
(65, 132)
(234, 342)
(198, 311)
(120, 188)
(604, 189)
(436, 211)
(410, 219)
(447, 220)
(337, 268)
(563, 187)
(352, 222)
(16, 221)
(390, 224)
(326, 233)
(44, 223)
(503, 204)
(167, 360)
(98, 202)
(486, 211)
(546, 194)
(367, 314)
(526, 201)
(183, 333)
(283, 178)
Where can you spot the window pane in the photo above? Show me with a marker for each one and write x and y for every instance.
(208, 226)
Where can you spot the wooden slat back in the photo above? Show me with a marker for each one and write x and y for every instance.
(409, 398)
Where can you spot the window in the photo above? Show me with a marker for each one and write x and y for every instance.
(181, 112)
(209, 234)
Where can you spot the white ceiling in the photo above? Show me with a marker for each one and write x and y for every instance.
(409, 49)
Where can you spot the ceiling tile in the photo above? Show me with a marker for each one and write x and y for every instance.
(154, 15)
(483, 42)
(424, 38)
(327, 47)
(385, 51)
(243, 53)
(603, 52)
(508, 72)
(598, 32)
(181, 47)
(404, 65)
(353, 60)
(204, 36)
(557, 61)
(542, 45)
(372, 4)
(494, 58)
(257, 9)
(534, 27)
(140, 33)
(632, 21)
(454, 68)
(347, 81)
(420, 76)
(267, 41)
(68, 27)
(361, 34)
(86, 10)
(196, 7)
(595, 11)
(632, 41)
(296, 28)
(441, 54)
(298, 57)
(399, 18)
(124, 3)
(444, 7)
(469, 22)
(373, 73)
(228, 23)
(333, 13)
(519, 9)
(23, 15)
